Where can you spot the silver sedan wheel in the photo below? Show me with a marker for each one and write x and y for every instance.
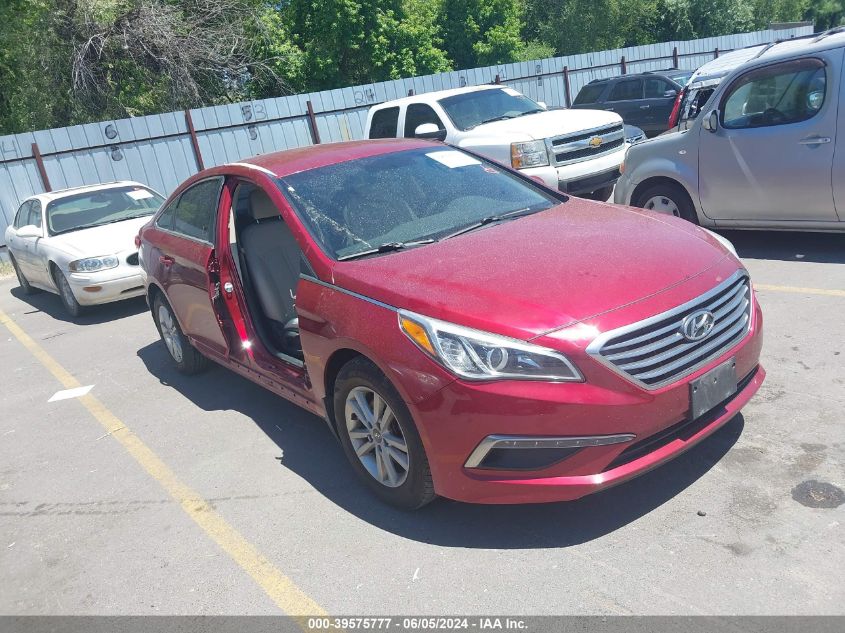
(662, 204)
(170, 333)
(376, 437)
(64, 288)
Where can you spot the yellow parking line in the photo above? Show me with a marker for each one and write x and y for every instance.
(281, 589)
(801, 291)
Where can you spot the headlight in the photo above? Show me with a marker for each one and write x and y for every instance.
(529, 154)
(93, 264)
(723, 241)
(478, 355)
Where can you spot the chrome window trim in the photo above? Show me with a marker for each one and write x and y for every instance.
(351, 293)
(594, 348)
(528, 442)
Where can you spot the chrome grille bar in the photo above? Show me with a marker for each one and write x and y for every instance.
(654, 352)
(572, 148)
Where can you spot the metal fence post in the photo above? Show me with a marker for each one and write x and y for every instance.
(312, 120)
(716, 53)
(39, 161)
(624, 65)
(194, 140)
(675, 57)
(566, 87)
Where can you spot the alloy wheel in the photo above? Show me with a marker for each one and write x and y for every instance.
(170, 333)
(376, 437)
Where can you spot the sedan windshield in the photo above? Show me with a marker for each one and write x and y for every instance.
(406, 199)
(104, 206)
(469, 109)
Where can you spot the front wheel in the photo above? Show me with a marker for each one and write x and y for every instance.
(668, 198)
(187, 359)
(73, 307)
(380, 438)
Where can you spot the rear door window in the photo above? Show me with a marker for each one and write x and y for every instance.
(627, 90)
(589, 94)
(385, 123)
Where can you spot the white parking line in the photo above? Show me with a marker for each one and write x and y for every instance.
(67, 394)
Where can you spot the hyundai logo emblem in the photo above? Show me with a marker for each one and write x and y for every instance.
(698, 325)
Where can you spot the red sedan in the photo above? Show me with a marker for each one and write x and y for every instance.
(465, 331)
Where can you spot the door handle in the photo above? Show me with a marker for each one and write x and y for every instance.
(816, 140)
(165, 260)
(645, 107)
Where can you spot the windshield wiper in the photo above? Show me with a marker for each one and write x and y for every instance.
(491, 219)
(386, 248)
(529, 112)
(94, 224)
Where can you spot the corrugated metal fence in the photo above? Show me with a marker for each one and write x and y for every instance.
(162, 150)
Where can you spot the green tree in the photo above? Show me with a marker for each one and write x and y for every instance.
(481, 32)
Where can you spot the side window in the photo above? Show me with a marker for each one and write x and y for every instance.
(22, 215)
(657, 88)
(34, 213)
(197, 210)
(417, 114)
(627, 90)
(385, 123)
(165, 219)
(775, 95)
(589, 94)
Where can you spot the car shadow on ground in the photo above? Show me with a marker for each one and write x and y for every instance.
(824, 248)
(302, 436)
(51, 305)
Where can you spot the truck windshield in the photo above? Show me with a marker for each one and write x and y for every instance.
(95, 208)
(469, 109)
(407, 198)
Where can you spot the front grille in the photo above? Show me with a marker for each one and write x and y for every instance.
(654, 352)
(576, 147)
(132, 260)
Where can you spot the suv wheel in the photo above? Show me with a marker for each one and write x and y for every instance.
(187, 359)
(669, 198)
(380, 438)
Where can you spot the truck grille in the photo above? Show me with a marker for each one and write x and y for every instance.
(577, 147)
(654, 352)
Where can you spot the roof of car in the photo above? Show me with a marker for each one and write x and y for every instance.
(72, 191)
(669, 72)
(291, 161)
(438, 94)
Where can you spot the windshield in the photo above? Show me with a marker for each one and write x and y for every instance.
(395, 199)
(105, 206)
(682, 79)
(470, 109)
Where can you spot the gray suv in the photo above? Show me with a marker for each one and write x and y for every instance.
(763, 151)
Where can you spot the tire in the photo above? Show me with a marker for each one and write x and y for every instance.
(72, 306)
(22, 282)
(184, 355)
(405, 485)
(667, 197)
(602, 195)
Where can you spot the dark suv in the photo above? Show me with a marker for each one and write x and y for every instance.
(644, 100)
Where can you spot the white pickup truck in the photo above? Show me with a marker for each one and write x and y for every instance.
(574, 151)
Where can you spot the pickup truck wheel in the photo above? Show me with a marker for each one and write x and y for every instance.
(22, 281)
(380, 438)
(668, 198)
(187, 359)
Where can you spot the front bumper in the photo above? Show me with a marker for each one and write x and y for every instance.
(456, 422)
(582, 177)
(103, 287)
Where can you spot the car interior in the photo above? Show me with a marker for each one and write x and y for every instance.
(269, 263)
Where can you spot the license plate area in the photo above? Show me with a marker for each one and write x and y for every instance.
(713, 388)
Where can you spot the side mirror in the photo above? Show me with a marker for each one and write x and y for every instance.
(30, 230)
(543, 105)
(670, 94)
(430, 131)
(711, 121)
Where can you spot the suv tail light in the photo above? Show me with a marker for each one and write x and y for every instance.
(676, 109)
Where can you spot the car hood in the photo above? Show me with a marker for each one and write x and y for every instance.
(535, 274)
(99, 240)
(550, 123)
